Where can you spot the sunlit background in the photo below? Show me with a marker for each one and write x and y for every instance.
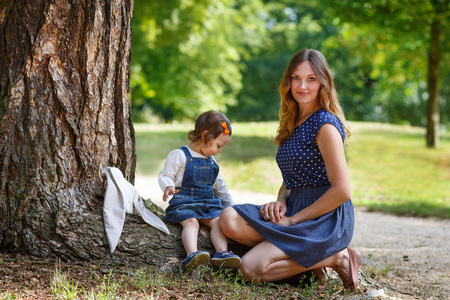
(190, 56)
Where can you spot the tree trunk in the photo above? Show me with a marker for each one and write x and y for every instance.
(142, 244)
(432, 135)
(65, 117)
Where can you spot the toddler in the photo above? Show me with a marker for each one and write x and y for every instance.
(191, 176)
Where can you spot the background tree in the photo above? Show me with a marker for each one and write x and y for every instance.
(290, 26)
(64, 73)
(186, 54)
(408, 36)
(377, 51)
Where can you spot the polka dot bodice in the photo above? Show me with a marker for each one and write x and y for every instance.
(299, 157)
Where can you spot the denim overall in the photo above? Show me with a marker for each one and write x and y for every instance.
(195, 198)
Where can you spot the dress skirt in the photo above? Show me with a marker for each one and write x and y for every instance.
(193, 203)
(311, 241)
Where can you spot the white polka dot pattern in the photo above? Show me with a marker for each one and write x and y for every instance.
(299, 157)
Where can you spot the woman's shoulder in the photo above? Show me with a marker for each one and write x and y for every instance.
(324, 114)
(325, 117)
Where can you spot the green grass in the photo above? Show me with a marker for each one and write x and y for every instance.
(390, 168)
(204, 283)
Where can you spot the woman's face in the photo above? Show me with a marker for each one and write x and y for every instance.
(304, 84)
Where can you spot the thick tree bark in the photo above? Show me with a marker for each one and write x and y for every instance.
(143, 244)
(64, 109)
(432, 135)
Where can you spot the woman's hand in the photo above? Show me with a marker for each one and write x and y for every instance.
(169, 191)
(273, 211)
(285, 221)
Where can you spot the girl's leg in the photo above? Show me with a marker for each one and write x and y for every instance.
(218, 239)
(189, 235)
(222, 257)
(236, 228)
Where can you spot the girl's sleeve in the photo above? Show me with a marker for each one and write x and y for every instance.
(221, 191)
(173, 166)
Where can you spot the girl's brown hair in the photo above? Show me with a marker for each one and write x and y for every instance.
(211, 122)
(328, 97)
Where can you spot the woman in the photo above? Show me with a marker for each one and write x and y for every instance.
(311, 224)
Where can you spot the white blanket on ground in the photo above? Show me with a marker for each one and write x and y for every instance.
(120, 198)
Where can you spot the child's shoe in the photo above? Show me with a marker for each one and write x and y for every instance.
(195, 259)
(226, 259)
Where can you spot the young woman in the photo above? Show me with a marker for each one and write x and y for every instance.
(311, 224)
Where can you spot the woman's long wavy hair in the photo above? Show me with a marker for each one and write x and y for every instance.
(328, 97)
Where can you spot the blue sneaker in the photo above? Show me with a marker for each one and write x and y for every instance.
(195, 259)
(226, 259)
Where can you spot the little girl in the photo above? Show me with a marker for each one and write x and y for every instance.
(191, 175)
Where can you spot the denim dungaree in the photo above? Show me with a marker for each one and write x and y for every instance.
(195, 198)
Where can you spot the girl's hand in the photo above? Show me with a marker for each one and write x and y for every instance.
(273, 211)
(170, 190)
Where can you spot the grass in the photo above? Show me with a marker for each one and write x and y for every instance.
(390, 168)
(203, 283)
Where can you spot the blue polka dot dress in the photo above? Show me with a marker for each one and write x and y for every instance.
(304, 173)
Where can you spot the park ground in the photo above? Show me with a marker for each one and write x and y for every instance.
(406, 257)
(402, 258)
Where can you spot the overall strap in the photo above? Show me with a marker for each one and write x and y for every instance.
(188, 159)
(186, 152)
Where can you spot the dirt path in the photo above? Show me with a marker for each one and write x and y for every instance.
(416, 251)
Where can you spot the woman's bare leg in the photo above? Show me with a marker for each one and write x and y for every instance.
(266, 262)
(189, 235)
(236, 228)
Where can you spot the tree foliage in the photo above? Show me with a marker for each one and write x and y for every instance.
(403, 45)
(186, 54)
(230, 55)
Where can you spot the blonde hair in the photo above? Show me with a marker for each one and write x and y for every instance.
(328, 97)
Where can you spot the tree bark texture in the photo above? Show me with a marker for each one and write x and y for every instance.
(434, 57)
(65, 117)
(141, 244)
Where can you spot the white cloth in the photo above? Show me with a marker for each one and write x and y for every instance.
(120, 197)
(173, 172)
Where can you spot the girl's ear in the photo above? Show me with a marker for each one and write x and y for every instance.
(204, 136)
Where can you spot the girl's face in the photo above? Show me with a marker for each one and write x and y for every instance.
(215, 146)
(304, 84)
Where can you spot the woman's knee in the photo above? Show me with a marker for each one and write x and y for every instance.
(251, 272)
(228, 222)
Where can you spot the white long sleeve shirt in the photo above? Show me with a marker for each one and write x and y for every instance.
(173, 172)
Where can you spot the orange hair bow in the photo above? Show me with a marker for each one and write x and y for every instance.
(225, 131)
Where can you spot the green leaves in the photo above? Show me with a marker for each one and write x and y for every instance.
(187, 54)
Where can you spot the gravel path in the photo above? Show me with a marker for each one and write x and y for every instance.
(416, 250)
